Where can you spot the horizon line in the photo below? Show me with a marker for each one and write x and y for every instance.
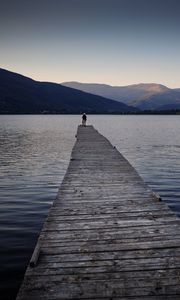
(98, 83)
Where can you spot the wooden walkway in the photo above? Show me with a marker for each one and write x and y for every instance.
(107, 236)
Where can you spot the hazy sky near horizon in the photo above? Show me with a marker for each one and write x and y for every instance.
(117, 42)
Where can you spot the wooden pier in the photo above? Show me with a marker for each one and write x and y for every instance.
(107, 235)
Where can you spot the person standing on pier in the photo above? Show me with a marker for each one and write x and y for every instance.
(84, 119)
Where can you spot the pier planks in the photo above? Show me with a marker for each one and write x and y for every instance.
(107, 236)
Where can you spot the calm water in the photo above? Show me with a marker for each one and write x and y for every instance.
(34, 155)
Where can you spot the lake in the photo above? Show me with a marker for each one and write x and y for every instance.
(34, 155)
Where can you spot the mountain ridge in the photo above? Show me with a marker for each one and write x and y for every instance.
(21, 94)
(145, 96)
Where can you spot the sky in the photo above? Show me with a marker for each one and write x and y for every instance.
(117, 42)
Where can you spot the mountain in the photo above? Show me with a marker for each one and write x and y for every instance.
(20, 94)
(161, 101)
(143, 96)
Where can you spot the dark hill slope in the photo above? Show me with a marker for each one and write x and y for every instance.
(20, 94)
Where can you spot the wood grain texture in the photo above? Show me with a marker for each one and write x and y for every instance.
(107, 235)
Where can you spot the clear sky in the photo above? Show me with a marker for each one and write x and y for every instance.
(117, 42)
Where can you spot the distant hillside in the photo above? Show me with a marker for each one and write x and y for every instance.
(143, 96)
(167, 100)
(20, 94)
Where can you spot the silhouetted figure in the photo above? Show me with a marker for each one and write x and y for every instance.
(84, 119)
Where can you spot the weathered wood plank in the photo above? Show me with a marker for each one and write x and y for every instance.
(108, 224)
(107, 235)
(104, 266)
(107, 242)
(56, 290)
(113, 255)
(117, 234)
(92, 247)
